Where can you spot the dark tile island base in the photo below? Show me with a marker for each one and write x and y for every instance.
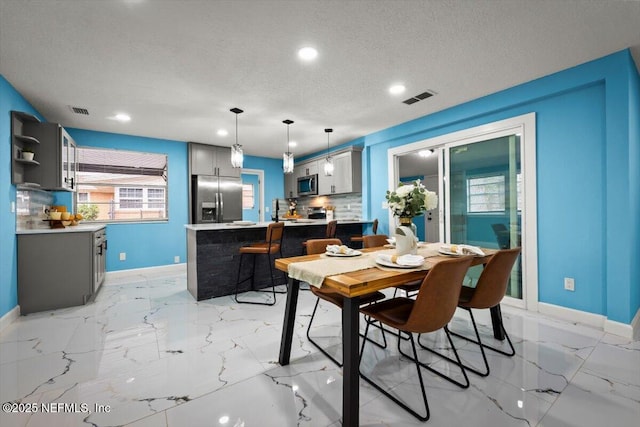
(213, 253)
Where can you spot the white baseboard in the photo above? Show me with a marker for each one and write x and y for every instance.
(596, 320)
(148, 271)
(9, 317)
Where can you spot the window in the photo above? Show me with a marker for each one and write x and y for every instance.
(118, 185)
(248, 199)
(489, 193)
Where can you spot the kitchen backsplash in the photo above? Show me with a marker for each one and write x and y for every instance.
(30, 209)
(347, 206)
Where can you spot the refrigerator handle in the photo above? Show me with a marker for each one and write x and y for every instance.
(221, 208)
(216, 218)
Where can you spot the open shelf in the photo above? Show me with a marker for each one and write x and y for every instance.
(28, 139)
(27, 162)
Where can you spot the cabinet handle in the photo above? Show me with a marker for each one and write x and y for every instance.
(71, 179)
(105, 245)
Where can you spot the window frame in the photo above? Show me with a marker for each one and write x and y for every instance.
(116, 192)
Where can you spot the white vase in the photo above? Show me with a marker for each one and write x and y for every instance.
(406, 242)
(27, 155)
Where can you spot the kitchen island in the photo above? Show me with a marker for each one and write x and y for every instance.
(213, 252)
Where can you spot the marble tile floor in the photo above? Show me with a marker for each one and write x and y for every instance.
(146, 354)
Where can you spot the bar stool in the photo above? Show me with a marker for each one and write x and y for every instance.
(330, 233)
(272, 245)
(359, 238)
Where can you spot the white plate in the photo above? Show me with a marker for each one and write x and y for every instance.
(243, 223)
(394, 265)
(443, 252)
(354, 253)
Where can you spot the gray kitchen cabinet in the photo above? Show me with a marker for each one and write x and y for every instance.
(212, 160)
(307, 168)
(347, 174)
(55, 154)
(59, 269)
(290, 185)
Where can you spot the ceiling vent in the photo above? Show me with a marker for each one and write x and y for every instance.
(79, 110)
(419, 97)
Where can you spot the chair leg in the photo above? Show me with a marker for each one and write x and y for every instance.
(273, 281)
(456, 362)
(252, 285)
(313, 315)
(386, 393)
(482, 346)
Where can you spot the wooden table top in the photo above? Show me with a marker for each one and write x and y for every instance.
(362, 282)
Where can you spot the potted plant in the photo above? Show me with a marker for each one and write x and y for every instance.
(27, 154)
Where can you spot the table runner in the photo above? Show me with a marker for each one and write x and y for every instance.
(314, 272)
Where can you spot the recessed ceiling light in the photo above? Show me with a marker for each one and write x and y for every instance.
(122, 117)
(307, 54)
(293, 144)
(425, 153)
(397, 89)
(222, 132)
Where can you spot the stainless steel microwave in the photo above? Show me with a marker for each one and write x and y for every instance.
(308, 185)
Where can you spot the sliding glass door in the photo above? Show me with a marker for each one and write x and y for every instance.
(482, 197)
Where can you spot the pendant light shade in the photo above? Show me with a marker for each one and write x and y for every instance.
(237, 156)
(287, 157)
(328, 161)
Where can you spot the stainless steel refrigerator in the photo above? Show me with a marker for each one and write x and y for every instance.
(216, 199)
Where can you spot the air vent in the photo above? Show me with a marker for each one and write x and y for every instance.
(79, 110)
(419, 97)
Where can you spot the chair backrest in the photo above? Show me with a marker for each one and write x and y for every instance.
(502, 235)
(438, 296)
(375, 226)
(319, 246)
(374, 240)
(332, 227)
(274, 233)
(492, 283)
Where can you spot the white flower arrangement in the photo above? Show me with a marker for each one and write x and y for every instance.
(411, 200)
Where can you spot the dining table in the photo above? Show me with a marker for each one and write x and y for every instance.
(353, 277)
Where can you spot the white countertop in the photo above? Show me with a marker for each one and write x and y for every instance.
(80, 228)
(231, 226)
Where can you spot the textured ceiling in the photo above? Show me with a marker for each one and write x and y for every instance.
(177, 67)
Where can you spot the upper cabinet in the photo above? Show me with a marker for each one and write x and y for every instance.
(347, 174)
(290, 187)
(212, 160)
(307, 168)
(53, 165)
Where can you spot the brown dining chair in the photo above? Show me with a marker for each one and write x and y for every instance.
(374, 240)
(330, 233)
(431, 311)
(358, 238)
(272, 245)
(489, 291)
(318, 246)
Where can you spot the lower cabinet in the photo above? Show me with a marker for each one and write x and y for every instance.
(58, 270)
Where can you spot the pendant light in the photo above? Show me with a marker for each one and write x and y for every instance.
(287, 158)
(328, 162)
(237, 157)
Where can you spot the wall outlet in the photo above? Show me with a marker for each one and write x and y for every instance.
(266, 209)
(123, 256)
(13, 207)
(176, 259)
(569, 284)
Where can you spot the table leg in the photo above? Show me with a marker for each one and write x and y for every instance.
(289, 321)
(496, 322)
(350, 369)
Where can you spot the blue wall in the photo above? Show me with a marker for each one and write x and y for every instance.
(10, 99)
(153, 243)
(588, 209)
